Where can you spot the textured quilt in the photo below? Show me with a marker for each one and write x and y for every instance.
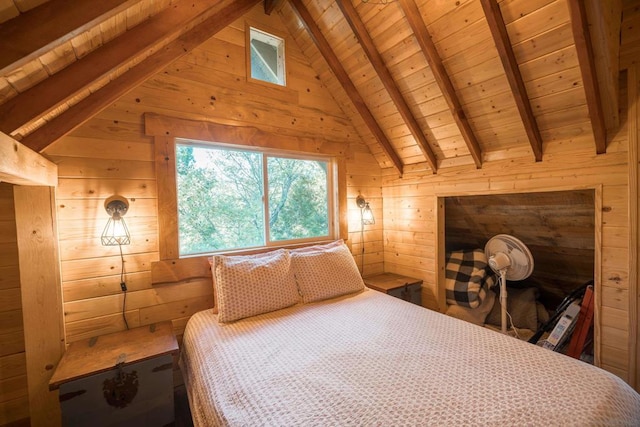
(370, 359)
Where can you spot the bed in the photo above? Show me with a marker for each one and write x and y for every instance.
(359, 357)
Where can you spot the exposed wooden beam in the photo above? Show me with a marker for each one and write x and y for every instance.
(49, 25)
(102, 98)
(359, 29)
(412, 13)
(605, 20)
(343, 77)
(270, 5)
(22, 166)
(582, 39)
(633, 132)
(64, 85)
(503, 44)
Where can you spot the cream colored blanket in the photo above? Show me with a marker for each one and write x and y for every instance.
(370, 359)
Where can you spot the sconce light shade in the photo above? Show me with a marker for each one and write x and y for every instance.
(116, 233)
(366, 214)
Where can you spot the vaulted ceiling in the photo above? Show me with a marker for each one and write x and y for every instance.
(426, 83)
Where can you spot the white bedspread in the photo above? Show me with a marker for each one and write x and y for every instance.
(370, 359)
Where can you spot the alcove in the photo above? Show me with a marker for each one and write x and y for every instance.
(562, 229)
(558, 227)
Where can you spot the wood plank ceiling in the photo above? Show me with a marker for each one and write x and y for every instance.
(427, 83)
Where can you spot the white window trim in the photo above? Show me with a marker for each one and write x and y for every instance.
(275, 41)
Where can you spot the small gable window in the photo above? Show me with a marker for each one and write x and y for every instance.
(266, 56)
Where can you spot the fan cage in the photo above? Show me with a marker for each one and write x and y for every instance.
(519, 255)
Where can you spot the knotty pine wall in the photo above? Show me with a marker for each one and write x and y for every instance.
(411, 220)
(14, 400)
(110, 154)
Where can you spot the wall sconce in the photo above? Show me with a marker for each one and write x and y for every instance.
(366, 218)
(116, 233)
(366, 214)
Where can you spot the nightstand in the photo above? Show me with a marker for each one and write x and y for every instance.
(119, 379)
(403, 287)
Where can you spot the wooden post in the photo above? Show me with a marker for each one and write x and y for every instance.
(441, 259)
(634, 229)
(41, 297)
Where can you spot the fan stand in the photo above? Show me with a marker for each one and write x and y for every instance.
(503, 299)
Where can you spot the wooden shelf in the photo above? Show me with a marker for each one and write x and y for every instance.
(387, 281)
(403, 287)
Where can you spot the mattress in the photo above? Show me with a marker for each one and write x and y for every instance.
(370, 359)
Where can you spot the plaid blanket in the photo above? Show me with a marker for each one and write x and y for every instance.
(467, 280)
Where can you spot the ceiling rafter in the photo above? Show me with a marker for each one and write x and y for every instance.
(270, 5)
(74, 79)
(343, 77)
(503, 44)
(50, 25)
(582, 38)
(105, 96)
(413, 16)
(22, 166)
(385, 76)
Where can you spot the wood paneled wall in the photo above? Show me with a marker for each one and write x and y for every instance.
(630, 60)
(411, 223)
(14, 399)
(111, 155)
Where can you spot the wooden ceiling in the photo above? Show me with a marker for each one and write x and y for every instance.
(426, 83)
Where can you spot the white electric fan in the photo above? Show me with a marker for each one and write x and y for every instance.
(511, 260)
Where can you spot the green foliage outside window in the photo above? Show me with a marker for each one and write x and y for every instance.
(220, 199)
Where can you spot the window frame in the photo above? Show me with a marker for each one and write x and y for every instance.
(164, 129)
(269, 33)
(332, 194)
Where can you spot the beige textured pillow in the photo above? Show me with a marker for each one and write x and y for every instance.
(212, 263)
(317, 248)
(521, 305)
(326, 274)
(250, 285)
(473, 315)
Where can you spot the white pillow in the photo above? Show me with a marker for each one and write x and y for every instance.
(326, 274)
(255, 284)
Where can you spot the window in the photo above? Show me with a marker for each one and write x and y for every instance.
(221, 203)
(266, 57)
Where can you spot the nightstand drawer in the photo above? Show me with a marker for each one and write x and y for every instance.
(403, 287)
(139, 394)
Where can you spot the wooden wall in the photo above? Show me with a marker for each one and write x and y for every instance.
(411, 223)
(111, 155)
(630, 60)
(14, 400)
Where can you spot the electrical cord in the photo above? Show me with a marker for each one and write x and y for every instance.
(362, 241)
(515, 331)
(123, 286)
